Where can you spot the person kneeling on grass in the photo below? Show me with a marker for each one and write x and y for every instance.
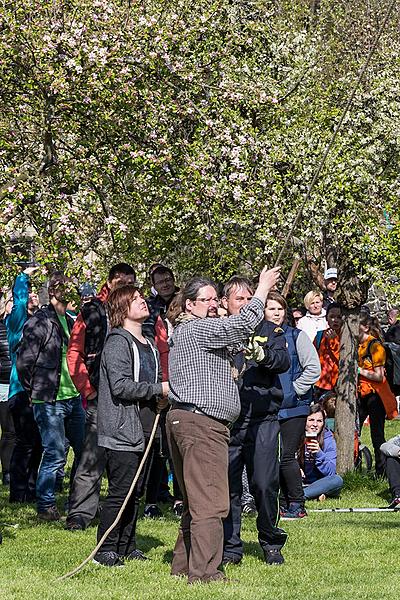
(317, 458)
(129, 376)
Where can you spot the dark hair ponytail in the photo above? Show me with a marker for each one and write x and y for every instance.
(373, 325)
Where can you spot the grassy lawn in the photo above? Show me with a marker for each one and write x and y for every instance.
(327, 556)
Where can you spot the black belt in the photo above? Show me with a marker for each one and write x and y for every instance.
(195, 409)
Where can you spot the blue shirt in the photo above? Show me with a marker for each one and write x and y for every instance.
(15, 322)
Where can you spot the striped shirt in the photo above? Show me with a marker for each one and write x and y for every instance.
(199, 365)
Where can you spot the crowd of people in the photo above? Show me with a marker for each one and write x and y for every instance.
(245, 387)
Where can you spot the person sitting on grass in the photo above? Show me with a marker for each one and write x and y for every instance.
(391, 452)
(129, 375)
(317, 458)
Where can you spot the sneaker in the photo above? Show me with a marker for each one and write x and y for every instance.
(178, 509)
(297, 512)
(395, 503)
(249, 509)
(108, 559)
(50, 514)
(75, 524)
(231, 560)
(136, 555)
(273, 556)
(151, 511)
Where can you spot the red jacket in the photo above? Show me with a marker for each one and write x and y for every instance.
(76, 358)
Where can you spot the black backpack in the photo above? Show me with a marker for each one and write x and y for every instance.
(392, 363)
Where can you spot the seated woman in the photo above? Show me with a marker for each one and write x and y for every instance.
(317, 458)
(314, 320)
(391, 452)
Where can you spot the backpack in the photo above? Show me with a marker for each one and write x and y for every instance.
(392, 363)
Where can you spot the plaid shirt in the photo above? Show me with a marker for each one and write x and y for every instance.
(199, 364)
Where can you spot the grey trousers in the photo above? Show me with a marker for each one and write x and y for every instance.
(85, 493)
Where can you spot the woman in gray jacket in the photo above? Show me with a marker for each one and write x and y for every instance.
(129, 375)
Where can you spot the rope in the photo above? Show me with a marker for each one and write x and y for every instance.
(335, 133)
(353, 510)
(121, 510)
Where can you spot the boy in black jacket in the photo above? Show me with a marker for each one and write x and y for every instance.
(254, 441)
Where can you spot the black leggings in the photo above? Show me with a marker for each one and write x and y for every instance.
(292, 431)
(372, 406)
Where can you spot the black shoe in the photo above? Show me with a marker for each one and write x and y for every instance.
(152, 511)
(395, 503)
(108, 559)
(273, 556)
(136, 555)
(75, 524)
(231, 560)
(178, 509)
(249, 509)
(6, 478)
(50, 514)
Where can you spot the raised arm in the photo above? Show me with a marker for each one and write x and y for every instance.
(219, 333)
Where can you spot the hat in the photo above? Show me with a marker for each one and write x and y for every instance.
(330, 274)
(86, 290)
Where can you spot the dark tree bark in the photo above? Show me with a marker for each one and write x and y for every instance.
(352, 294)
(346, 388)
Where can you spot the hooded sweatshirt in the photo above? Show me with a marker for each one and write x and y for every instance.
(127, 377)
(311, 324)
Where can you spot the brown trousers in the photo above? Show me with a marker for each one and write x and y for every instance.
(199, 449)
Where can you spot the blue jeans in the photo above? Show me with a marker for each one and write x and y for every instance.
(330, 486)
(65, 418)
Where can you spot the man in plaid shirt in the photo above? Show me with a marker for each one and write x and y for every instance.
(205, 401)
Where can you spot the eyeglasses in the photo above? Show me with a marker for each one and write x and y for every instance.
(207, 300)
(165, 280)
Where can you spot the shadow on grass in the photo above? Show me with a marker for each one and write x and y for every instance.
(253, 549)
(147, 542)
(167, 558)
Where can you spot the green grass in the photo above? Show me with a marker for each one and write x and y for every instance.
(327, 556)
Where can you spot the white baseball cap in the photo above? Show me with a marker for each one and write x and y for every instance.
(330, 273)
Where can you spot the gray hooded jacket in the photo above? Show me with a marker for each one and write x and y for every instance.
(120, 391)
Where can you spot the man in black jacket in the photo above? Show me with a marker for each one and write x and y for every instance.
(57, 408)
(83, 358)
(254, 440)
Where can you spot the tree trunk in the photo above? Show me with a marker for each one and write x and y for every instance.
(345, 415)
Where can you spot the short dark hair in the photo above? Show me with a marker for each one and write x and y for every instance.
(161, 270)
(121, 268)
(237, 282)
(277, 297)
(192, 287)
(333, 305)
(56, 280)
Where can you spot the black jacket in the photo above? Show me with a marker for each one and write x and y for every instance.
(95, 319)
(40, 354)
(158, 308)
(5, 361)
(261, 393)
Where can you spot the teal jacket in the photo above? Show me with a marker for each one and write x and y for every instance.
(15, 322)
